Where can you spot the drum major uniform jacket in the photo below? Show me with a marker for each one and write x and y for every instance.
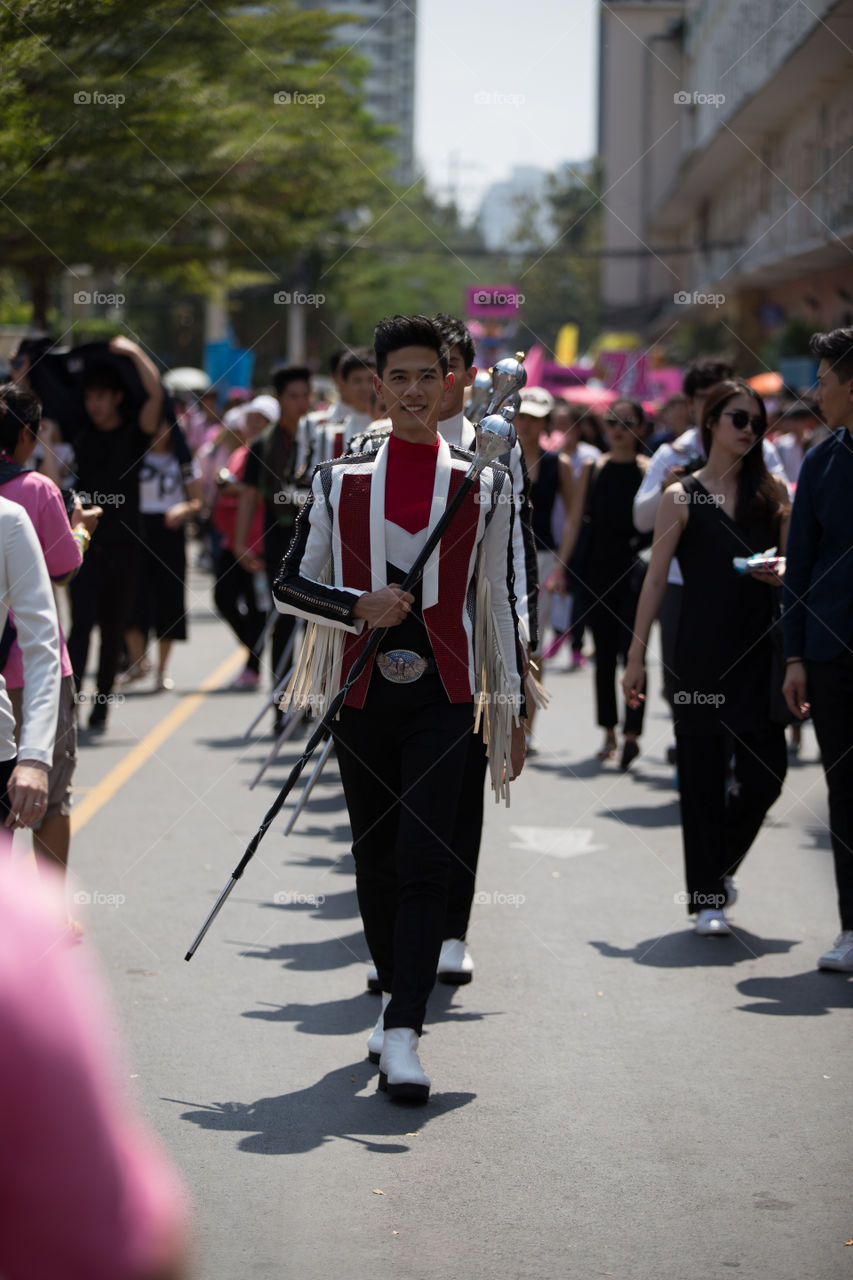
(339, 551)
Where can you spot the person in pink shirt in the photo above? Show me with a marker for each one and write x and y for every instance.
(86, 1193)
(63, 547)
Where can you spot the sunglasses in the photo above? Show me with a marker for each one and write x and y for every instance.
(610, 421)
(740, 419)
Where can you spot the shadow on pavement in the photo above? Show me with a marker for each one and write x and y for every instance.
(335, 906)
(311, 957)
(579, 769)
(341, 865)
(308, 1118)
(237, 745)
(664, 815)
(359, 1013)
(316, 804)
(684, 950)
(801, 995)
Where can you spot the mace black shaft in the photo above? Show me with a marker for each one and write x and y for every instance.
(325, 725)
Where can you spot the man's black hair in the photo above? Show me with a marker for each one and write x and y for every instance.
(836, 347)
(19, 410)
(102, 377)
(35, 345)
(282, 378)
(395, 332)
(335, 359)
(704, 373)
(456, 334)
(356, 358)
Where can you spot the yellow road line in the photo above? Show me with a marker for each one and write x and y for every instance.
(99, 795)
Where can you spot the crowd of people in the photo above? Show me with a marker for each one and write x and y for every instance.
(604, 504)
(724, 518)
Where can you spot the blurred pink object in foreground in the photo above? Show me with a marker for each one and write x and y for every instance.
(85, 1191)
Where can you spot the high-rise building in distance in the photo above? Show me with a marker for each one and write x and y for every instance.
(385, 37)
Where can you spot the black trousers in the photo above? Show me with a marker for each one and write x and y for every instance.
(830, 692)
(276, 542)
(102, 595)
(611, 621)
(402, 760)
(234, 597)
(465, 843)
(718, 830)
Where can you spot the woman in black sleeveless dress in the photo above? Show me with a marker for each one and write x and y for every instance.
(601, 534)
(725, 704)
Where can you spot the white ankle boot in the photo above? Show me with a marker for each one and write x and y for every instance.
(455, 965)
(400, 1072)
(374, 1040)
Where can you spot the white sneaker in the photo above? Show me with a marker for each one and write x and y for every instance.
(400, 1072)
(377, 1035)
(455, 965)
(711, 923)
(730, 886)
(840, 955)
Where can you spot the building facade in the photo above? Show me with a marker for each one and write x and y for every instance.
(726, 138)
(385, 37)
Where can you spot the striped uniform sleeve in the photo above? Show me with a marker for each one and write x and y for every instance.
(297, 589)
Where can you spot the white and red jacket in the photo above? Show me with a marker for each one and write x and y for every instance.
(343, 544)
(462, 433)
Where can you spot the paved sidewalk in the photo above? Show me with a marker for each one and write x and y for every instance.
(612, 1095)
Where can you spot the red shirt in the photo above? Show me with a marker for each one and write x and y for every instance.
(409, 483)
(225, 510)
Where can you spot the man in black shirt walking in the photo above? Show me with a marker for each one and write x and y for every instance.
(818, 617)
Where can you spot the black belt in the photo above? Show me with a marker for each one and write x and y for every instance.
(403, 666)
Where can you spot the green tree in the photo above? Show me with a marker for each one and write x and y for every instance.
(559, 276)
(409, 254)
(165, 140)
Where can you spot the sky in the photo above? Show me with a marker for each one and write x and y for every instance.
(501, 84)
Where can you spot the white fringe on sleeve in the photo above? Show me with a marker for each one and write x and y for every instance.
(316, 677)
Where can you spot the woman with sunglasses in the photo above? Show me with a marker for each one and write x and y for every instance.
(724, 679)
(600, 529)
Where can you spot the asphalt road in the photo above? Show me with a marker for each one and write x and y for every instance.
(611, 1095)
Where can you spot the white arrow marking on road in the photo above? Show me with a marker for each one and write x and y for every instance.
(559, 842)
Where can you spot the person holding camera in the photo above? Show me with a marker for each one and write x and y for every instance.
(727, 702)
(109, 452)
(63, 542)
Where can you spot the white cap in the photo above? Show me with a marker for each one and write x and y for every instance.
(267, 405)
(536, 401)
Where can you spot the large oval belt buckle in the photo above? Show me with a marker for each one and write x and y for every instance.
(401, 666)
